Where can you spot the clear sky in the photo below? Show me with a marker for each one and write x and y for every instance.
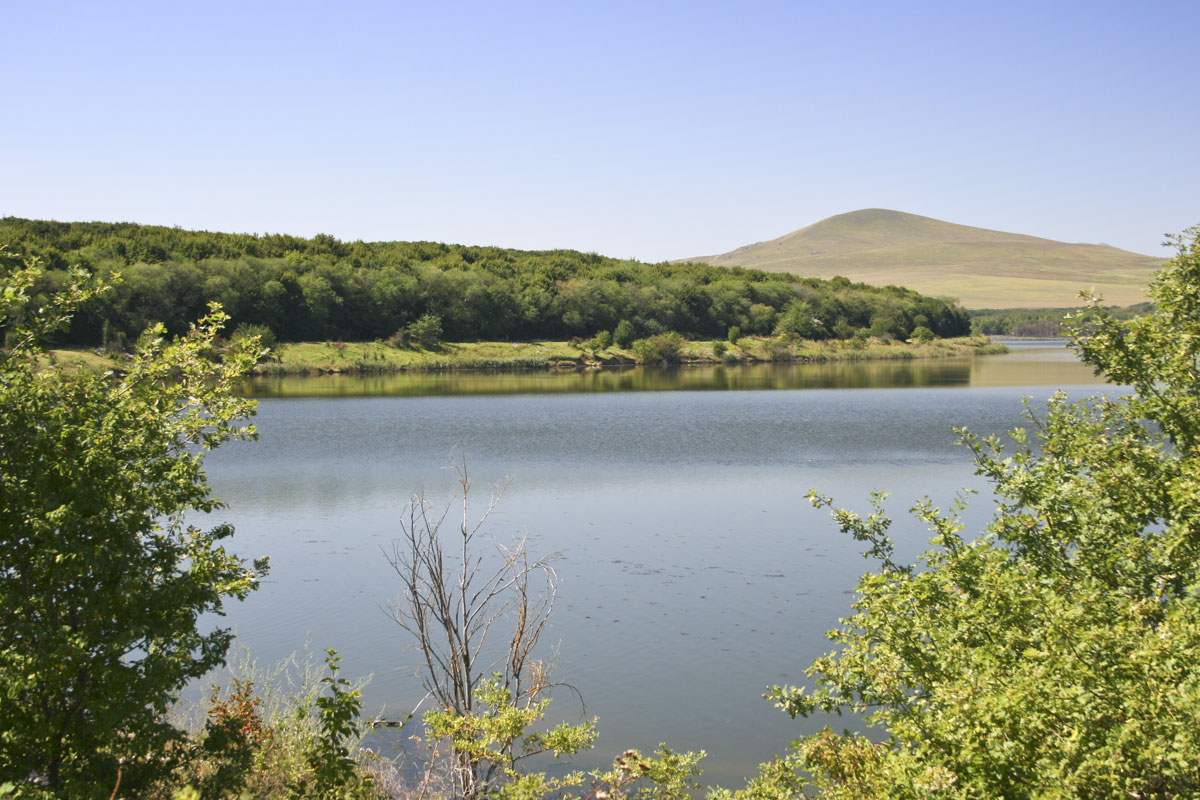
(651, 130)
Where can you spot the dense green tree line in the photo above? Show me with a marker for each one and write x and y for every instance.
(1039, 321)
(321, 288)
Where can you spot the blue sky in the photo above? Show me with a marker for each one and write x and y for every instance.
(651, 130)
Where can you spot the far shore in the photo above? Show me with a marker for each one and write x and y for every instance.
(308, 358)
(365, 358)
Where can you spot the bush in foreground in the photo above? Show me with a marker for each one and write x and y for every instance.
(103, 580)
(1055, 654)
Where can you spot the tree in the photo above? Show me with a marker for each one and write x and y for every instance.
(922, 335)
(624, 334)
(425, 332)
(490, 698)
(104, 575)
(1055, 654)
(450, 604)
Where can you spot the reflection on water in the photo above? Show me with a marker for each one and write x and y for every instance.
(1025, 366)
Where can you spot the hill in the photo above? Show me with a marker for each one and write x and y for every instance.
(324, 289)
(981, 268)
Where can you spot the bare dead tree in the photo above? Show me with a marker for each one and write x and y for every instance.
(453, 601)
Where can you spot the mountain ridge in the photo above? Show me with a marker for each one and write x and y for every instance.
(982, 268)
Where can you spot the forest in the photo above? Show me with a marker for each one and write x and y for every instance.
(1039, 322)
(325, 289)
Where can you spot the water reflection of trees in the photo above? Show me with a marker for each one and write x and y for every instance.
(749, 377)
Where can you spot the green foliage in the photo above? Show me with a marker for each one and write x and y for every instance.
(734, 333)
(781, 349)
(335, 773)
(293, 731)
(800, 318)
(922, 335)
(991, 349)
(248, 331)
(719, 349)
(104, 580)
(1041, 322)
(234, 732)
(662, 348)
(667, 775)
(624, 334)
(315, 289)
(499, 735)
(426, 332)
(1055, 654)
(601, 341)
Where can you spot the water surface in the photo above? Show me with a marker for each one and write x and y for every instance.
(694, 574)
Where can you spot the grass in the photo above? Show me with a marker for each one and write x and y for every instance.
(981, 268)
(367, 358)
(272, 725)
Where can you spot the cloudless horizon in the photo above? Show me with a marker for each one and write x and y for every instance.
(647, 130)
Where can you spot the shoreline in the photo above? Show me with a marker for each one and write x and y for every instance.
(373, 358)
(380, 358)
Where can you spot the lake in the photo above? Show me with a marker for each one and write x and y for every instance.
(693, 573)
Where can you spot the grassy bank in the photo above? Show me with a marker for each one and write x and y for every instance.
(371, 357)
(314, 358)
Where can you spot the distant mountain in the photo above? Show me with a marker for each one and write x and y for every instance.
(982, 268)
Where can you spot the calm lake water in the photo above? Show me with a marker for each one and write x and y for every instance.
(693, 573)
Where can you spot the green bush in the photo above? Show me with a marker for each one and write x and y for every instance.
(624, 333)
(426, 332)
(1053, 655)
(266, 337)
(601, 341)
(663, 348)
(922, 335)
(108, 593)
(293, 731)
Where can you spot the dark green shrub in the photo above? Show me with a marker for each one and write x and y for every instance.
(663, 348)
(425, 332)
(922, 335)
(266, 337)
(601, 341)
(624, 333)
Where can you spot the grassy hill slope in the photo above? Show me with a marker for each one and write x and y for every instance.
(981, 268)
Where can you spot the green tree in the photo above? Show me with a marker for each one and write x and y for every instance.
(624, 334)
(425, 332)
(104, 574)
(922, 335)
(662, 348)
(477, 629)
(1055, 654)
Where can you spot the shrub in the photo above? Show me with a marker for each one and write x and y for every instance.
(624, 334)
(779, 350)
(1055, 653)
(663, 348)
(601, 341)
(922, 335)
(266, 337)
(426, 332)
(105, 584)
